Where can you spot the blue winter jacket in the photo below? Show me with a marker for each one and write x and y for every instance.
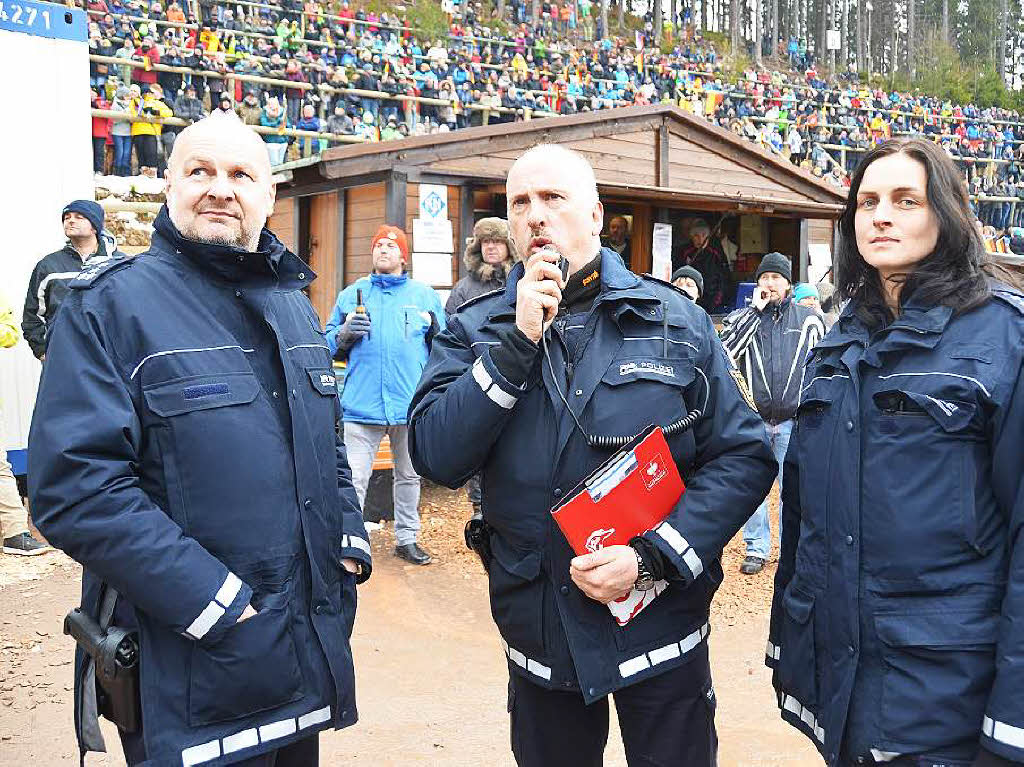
(384, 367)
(183, 449)
(652, 357)
(898, 618)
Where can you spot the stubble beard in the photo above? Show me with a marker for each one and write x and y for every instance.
(244, 239)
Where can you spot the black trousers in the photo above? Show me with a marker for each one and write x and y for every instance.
(301, 753)
(666, 721)
(145, 149)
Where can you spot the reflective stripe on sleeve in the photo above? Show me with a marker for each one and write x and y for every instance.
(205, 621)
(772, 651)
(355, 542)
(494, 393)
(216, 608)
(1003, 732)
(681, 546)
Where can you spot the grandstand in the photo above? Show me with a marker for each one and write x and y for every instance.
(371, 77)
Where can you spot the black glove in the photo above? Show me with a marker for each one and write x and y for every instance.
(356, 328)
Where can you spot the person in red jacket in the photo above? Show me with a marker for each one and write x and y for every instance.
(100, 134)
(149, 54)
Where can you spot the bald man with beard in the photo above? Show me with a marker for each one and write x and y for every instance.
(195, 472)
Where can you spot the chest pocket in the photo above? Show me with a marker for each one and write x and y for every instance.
(196, 393)
(415, 321)
(906, 410)
(636, 392)
(674, 372)
(203, 429)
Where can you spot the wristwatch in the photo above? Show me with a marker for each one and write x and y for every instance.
(644, 579)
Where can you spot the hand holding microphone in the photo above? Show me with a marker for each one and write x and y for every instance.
(540, 291)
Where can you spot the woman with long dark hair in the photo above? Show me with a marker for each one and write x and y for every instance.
(897, 632)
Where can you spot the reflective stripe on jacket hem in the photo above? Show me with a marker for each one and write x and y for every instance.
(792, 705)
(668, 652)
(205, 752)
(529, 664)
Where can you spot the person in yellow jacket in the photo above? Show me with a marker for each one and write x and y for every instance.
(13, 517)
(145, 134)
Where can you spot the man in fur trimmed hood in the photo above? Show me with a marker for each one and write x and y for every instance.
(489, 256)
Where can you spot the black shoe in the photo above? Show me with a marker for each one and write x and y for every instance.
(24, 545)
(411, 552)
(752, 565)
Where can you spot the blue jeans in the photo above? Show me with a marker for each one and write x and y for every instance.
(757, 533)
(122, 155)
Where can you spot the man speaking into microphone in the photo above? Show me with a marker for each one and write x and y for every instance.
(531, 386)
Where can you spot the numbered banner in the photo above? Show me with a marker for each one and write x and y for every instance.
(44, 19)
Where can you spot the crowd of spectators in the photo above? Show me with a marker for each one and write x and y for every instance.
(345, 73)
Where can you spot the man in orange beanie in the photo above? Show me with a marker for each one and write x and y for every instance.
(386, 340)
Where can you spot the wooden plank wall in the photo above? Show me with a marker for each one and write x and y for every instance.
(820, 231)
(323, 216)
(282, 222)
(693, 167)
(364, 214)
(627, 157)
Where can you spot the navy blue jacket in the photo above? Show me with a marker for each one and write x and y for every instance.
(467, 418)
(183, 449)
(898, 617)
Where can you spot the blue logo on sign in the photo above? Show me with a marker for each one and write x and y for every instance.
(433, 204)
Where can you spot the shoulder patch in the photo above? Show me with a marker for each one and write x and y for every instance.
(478, 299)
(92, 274)
(1011, 297)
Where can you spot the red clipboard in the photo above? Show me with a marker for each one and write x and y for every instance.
(627, 495)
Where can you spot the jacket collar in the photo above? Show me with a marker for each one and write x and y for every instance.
(270, 265)
(388, 280)
(617, 282)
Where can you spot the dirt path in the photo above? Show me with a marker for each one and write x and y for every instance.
(430, 672)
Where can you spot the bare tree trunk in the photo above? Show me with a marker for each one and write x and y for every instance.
(622, 14)
(657, 23)
(911, 34)
(945, 21)
(757, 32)
(844, 43)
(535, 11)
(774, 10)
(894, 42)
(501, 9)
(604, 17)
(1001, 19)
(859, 22)
(734, 26)
(819, 44)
